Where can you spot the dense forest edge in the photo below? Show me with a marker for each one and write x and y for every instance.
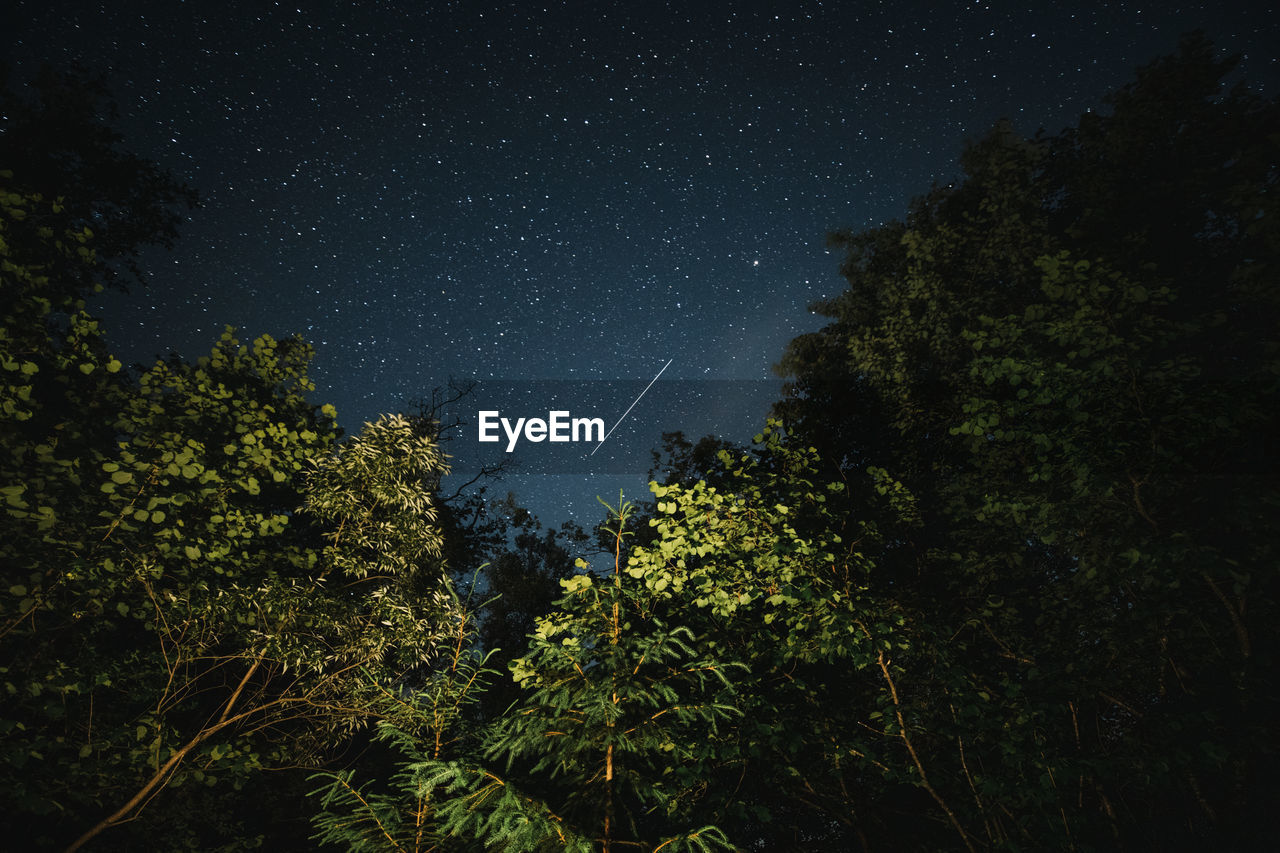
(998, 573)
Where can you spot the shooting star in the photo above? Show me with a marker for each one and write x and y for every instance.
(632, 406)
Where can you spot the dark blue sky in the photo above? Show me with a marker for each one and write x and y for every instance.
(578, 191)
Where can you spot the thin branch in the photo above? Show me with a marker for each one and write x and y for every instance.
(1242, 633)
(371, 812)
(915, 758)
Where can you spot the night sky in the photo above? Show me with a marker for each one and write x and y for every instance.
(523, 191)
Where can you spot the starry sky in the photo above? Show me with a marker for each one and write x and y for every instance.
(569, 192)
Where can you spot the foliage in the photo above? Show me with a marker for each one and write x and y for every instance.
(605, 745)
(421, 724)
(170, 618)
(1000, 576)
(520, 583)
(56, 137)
(1068, 364)
(777, 570)
(658, 704)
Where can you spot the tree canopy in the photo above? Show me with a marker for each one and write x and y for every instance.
(1069, 362)
(998, 574)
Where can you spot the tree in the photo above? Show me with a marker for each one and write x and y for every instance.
(166, 621)
(58, 141)
(611, 695)
(776, 570)
(198, 581)
(626, 732)
(1068, 364)
(198, 626)
(495, 550)
(432, 721)
(519, 582)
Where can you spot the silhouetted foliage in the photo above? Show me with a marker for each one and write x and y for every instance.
(57, 139)
(1000, 575)
(1068, 364)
